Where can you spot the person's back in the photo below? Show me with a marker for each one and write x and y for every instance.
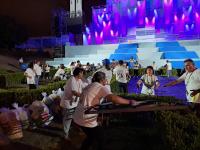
(120, 72)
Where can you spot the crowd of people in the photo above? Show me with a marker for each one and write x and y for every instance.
(34, 72)
(81, 93)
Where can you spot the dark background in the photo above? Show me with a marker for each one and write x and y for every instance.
(36, 15)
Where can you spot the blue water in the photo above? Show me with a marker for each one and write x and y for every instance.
(177, 91)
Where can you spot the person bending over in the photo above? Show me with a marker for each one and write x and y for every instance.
(92, 96)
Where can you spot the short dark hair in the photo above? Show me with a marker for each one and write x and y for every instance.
(189, 60)
(77, 70)
(99, 76)
(121, 62)
(62, 66)
(149, 67)
(30, 65)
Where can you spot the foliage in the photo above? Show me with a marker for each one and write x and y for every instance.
(179, 131)
(11, 79)
(26, 96)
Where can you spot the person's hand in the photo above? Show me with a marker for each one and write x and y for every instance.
(194, 92)
(133, 102)
(29, 77)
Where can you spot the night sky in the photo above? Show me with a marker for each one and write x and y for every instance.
(36, 14)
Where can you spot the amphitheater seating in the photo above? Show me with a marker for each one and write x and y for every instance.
(167, 44)
(127, 50)
(121, 56)
(171, 48)
(179, 55)
(180, 64)
(132, 45)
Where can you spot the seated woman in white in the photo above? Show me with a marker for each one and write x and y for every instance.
(150, 82)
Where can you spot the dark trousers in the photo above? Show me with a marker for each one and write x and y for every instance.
(95, 134)
(32, 86)
(123, 87)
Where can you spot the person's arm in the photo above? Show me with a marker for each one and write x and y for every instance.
(140, 81)
(194, 92)
(179, 80)
(119, 100)
(172, 83)
(26, 74)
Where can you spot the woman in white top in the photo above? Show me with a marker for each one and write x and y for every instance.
(150, 82)
(92, 96)
(30, 76)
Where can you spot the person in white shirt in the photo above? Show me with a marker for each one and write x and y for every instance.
(38, 71)
(121, 73)
(59, 73)
(70, 99)
(192, 81)
(72, 67)
(107, 70)
(30, 76)
(150, 82)
(169, 68)
(92, 96)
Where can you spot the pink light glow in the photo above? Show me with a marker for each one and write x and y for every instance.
(104, 24)
(197, 15)
(109, 23)
(153, 20)
(101, 34)
(116, 34)
(111, 33)
(175, 18)
(96, 34)
(183, 17)
(146, 20)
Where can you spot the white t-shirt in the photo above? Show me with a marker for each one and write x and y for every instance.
(192, 82)
(69, 100)
(148, 80)
(38, 69)
(91, 96)
(120, 72)
(72, 69)
(169, 66)
(59, 72)
(31, 74)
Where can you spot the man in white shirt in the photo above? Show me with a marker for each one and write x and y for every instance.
(70, 99)
(192, 81)
(121, 73)
(30, 76)
(38, 71)
(92, 96)
(169, 68)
